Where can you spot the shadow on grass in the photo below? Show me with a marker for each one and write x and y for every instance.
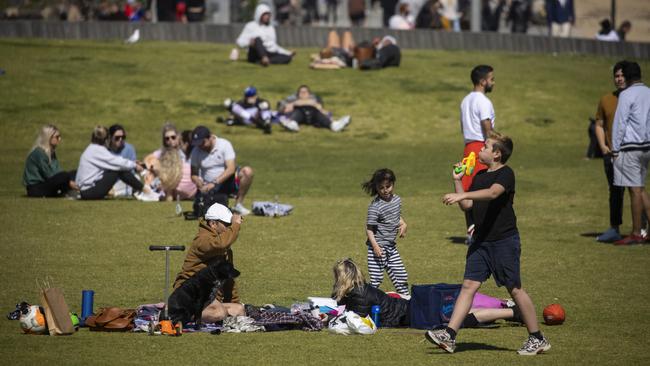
(457, 239)
(591, 234)
(470, 346)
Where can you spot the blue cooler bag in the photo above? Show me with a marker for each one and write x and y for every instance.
(432, 305)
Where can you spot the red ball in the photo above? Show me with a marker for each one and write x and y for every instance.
(554, 314)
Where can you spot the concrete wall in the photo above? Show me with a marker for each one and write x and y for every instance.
(317, 36)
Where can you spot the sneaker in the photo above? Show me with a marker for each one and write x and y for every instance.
(266, 126)
(610, 235)
(339, 125)
(289, 124)
(630, 240)
(150, 196)
(534, 346)
(73, 195)
(441, 338)
(240, 209)
(227, 103)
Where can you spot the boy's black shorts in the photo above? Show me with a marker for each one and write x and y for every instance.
(499, 258)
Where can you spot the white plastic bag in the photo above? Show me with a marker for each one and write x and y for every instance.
(338, 325)
(360, 325)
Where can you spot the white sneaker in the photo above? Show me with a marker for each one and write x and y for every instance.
(240, 209)
(289, 124)
(227, 103)
(150, 196)
(339, 125)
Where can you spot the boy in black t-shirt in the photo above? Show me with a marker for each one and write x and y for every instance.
(495, 248)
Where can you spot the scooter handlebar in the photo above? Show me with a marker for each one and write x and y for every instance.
(166, 247)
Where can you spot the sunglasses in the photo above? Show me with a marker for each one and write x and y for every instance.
(119, 137)
(222, 223)
(169, 138)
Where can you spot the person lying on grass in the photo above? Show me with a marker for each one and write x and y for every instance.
(352, 290)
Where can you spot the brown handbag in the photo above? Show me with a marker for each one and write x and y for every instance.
(111, 319)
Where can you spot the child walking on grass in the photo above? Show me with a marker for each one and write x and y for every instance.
(495, 248)
(383, 225)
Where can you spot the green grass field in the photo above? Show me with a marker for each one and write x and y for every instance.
(405, 119)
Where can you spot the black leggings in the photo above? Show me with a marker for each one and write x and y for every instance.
(257, 51)
(102, 186)
(54, 186)
(310, 116)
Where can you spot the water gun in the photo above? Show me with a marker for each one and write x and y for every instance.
(467, 164)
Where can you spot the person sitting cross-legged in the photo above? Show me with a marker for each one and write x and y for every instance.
(259, 36)
(215, 172)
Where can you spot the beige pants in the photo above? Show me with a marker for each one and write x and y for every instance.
(561, 29)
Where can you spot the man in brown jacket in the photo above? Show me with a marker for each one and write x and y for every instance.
(217, 232)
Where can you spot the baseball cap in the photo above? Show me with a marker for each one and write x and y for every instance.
(219, 212)
(250, 91)
(199, 133)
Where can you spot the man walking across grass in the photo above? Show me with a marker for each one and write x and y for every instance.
(604, 122)
(476, 122)
(631, 147)
(495, 247)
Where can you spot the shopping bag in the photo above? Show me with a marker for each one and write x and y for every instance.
(57, 313)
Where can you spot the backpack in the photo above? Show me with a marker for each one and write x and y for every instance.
(432, 305)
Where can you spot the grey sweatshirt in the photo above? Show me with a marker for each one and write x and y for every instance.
(94, 161)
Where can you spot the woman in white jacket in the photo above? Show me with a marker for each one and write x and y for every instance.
(259, 36)
(99, 169)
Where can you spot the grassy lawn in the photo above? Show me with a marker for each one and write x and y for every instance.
(405, 119)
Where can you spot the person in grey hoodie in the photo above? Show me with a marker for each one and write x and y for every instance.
(99, 169)
(631, 147)
(259, 36)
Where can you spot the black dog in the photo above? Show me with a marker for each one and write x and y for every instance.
(187, 302)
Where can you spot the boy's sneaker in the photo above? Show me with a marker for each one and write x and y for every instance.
(534, 346)
(289, 124)
(610, 235)
(339, 125)
(630, 240)
(240, 209)
(441, 338)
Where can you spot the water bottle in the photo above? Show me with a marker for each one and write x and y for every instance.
(276, 207)
(374, 314)
(234, 54)
(179, 208)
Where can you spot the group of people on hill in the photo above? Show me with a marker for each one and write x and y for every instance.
(258, 37)
(199, 165)
(301, 108)
(189, 165)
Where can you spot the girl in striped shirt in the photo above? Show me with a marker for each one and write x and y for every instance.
(383, 225)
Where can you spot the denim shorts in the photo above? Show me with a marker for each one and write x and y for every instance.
(498, 258)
